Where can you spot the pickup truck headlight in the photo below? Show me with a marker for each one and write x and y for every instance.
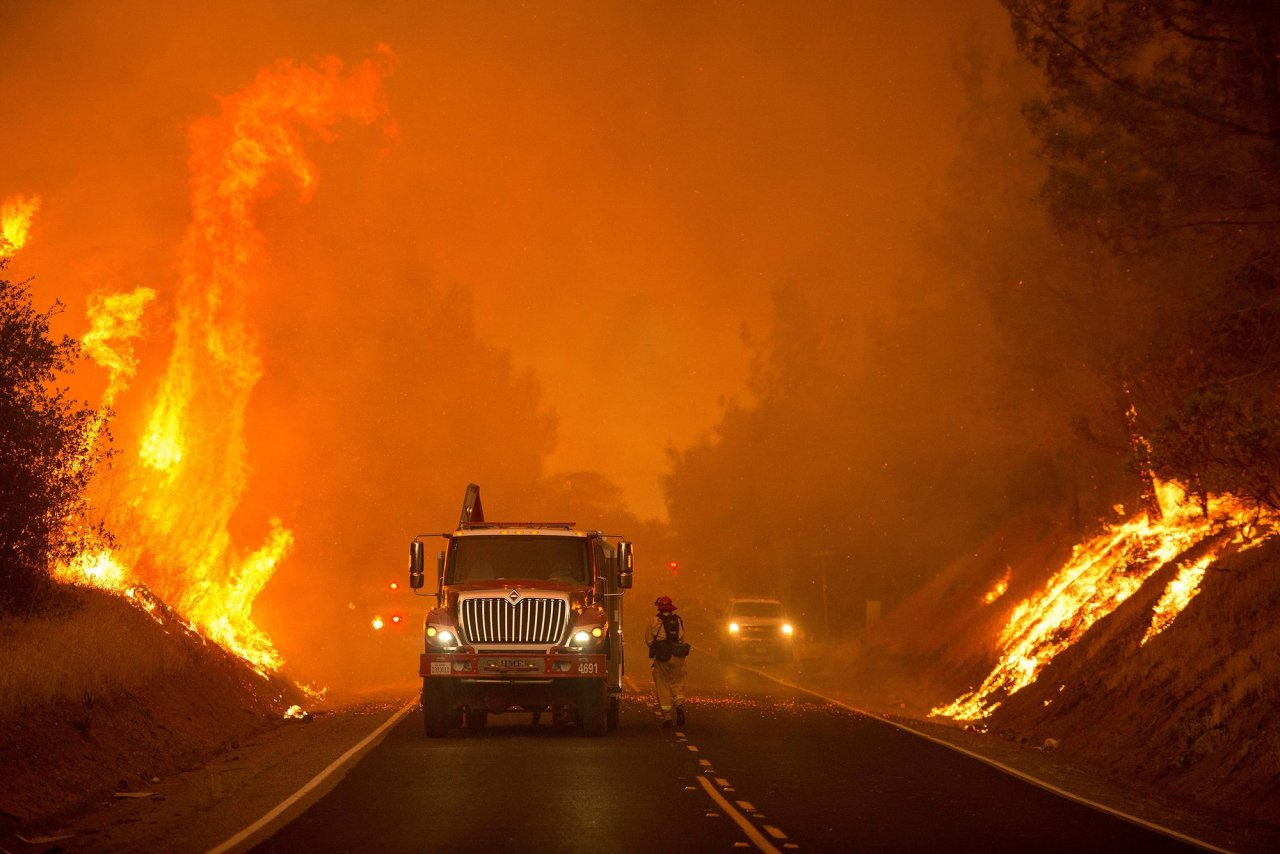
(786, 629)
(733, 628)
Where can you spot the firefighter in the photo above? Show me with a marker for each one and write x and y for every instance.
(667, 649)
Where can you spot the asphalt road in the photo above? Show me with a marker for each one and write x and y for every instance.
(757, 766)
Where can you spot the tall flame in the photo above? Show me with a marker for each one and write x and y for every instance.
(191, 470)
(114, 321)
(1104, 572)
(16, 214)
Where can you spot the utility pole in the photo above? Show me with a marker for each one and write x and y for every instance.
(823, 558)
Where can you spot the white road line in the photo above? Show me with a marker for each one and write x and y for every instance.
(746, 806)
(723, 783)
(691, 748)
(1013, 772)
(367, 743)
(747, 827)
(776, 833)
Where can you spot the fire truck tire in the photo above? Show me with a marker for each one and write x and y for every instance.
(477, 718)
(593, 709)
(437, 715)
(611, 721)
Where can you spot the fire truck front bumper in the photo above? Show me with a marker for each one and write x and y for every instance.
(510, 667)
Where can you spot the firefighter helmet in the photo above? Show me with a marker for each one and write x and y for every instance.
(664, 603)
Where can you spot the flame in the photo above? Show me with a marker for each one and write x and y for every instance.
(1104, 572)
(1177, 596)
(114, 321)
(294, 713)
(191, 468)
(1001, 587)
(16, 215)
(96, 568)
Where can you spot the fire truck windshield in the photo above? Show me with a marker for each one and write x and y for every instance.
(528, 558)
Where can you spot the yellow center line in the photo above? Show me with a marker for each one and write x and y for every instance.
(756, 837)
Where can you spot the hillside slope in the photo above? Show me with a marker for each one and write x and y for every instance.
(1193, 710)
(1188, 714)
(101, 697)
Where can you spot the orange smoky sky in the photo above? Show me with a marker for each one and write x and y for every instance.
(606, 192)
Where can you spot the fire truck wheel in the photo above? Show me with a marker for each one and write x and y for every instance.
(592, 708)
(612, 719)
(437, 716)
(477, 718)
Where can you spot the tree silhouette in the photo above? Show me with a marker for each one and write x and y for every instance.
(1161, 128)
(45, 458)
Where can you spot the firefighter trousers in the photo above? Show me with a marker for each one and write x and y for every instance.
(668, 679)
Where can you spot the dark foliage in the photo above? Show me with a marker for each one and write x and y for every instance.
(1215, 443)
(45, 461)
(1161, 127)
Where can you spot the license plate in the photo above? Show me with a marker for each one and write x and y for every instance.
(440, 668)
(519, 664)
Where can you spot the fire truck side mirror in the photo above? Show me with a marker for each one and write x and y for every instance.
(415, 565)
(624, 565)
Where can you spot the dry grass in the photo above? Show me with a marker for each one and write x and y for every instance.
(97, 695)
(98, 647)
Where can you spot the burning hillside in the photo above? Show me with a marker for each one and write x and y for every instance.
(1147, 655)
(1108, 569)
(170, 506)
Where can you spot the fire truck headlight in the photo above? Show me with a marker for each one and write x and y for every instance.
(733, 628)
(584, 637)
(442, 637)
(786, 629)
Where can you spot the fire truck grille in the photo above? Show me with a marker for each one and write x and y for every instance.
(530, 620)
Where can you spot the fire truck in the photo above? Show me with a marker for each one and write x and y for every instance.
(528, 617)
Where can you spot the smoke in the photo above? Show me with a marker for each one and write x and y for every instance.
(549, 269)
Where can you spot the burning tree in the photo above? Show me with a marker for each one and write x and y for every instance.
(48, 452)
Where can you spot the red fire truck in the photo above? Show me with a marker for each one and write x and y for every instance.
(528, 617)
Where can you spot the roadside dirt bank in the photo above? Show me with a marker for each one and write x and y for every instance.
(208, 802)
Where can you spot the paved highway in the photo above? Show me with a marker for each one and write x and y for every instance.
(757, 766)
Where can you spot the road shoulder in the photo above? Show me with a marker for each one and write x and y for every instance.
(1042, 765)
(200, 809)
